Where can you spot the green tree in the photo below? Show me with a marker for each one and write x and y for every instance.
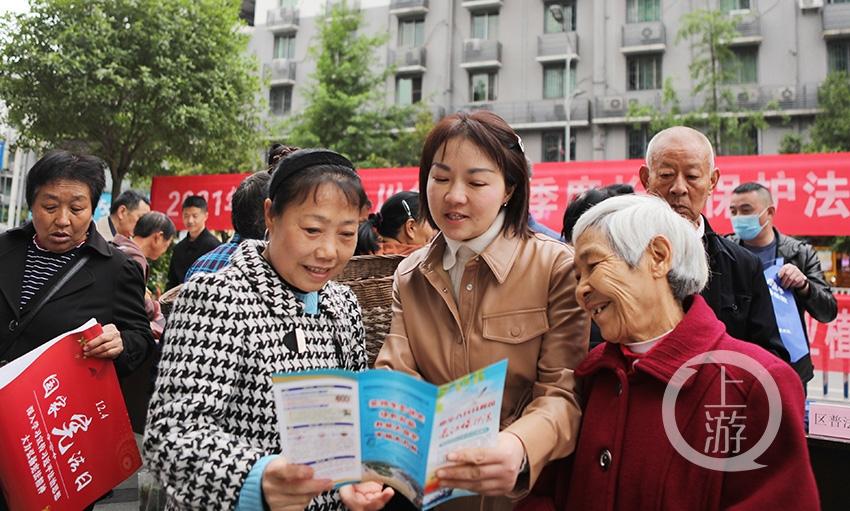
(345, 100)
(150, 86)
(713, 69)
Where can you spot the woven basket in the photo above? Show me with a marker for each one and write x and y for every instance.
(370, 277)
(369, 266)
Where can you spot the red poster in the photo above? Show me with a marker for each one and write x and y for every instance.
(65, 436)
(812, 191)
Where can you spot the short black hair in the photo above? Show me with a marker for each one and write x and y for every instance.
(395, 212)
(302, 172)
(130, 199)
(154, 222)
(61, 164)
(247, 206)
(581, 203)
(195, 201)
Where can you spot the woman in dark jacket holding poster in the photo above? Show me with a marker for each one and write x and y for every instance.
(62, 191)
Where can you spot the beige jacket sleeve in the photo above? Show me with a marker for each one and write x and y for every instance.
(395, 353)
(549, 424)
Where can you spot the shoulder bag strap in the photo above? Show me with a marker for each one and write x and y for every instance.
(79, 263)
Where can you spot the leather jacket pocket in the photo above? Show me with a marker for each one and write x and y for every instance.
(515, 327)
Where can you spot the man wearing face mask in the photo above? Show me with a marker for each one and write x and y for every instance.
(752, 212)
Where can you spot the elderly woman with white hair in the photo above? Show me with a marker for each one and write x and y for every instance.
(655, 437)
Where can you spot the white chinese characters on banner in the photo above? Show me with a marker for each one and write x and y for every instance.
(826, 195)
(721, 197)
(544, 198)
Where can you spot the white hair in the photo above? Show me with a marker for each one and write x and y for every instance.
(653, 144)
(630, 222)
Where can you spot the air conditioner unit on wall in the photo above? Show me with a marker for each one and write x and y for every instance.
(811, 4)
(785, 94)
(613, 104)
(650, 33)
(748, 96)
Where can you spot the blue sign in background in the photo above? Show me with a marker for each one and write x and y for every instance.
(2, 151)
(103, 206)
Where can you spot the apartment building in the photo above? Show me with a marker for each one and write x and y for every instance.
(541, 64)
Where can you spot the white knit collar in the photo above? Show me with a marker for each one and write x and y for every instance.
(476, 245)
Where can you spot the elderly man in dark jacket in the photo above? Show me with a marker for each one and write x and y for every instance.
(680, 169)
(752, 211)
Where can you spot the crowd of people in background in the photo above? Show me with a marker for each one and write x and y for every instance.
(594, 320)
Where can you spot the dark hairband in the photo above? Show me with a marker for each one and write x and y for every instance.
(297, 161)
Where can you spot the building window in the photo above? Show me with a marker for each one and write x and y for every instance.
(551, 25)
(644, 72)
(638, 138)
(291, 4)
(280, 99)
(743, 66)
(727, 6)
(483, 86)
(747, 144)
(553, 80)
(638, 11)
(485, 25)
(284, 47)
(553, 146)
(839, 55)
(408, 90)
(411, 33)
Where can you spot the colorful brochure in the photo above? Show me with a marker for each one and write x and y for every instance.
(386, 426)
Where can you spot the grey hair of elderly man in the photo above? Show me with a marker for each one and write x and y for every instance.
(631, 222)
(658, 140)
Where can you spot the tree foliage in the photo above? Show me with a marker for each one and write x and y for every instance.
(345, 108)
(150, 86)
(712, 71)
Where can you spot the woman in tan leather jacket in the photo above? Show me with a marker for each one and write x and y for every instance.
(486, 289)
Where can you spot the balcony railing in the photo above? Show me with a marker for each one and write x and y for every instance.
(836, 19)
(555, 46)
(481, 53)
(749, 28)
(282, 19)
(536, 112)
(649, 35)
(408, 7)
(281, 71)
(787, 98)
(409, 59)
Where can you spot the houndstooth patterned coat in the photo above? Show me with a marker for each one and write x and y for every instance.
(212, 415)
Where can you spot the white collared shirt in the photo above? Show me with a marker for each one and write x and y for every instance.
(458, 253)
(701, 227)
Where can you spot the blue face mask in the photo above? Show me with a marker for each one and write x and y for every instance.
(747, 227)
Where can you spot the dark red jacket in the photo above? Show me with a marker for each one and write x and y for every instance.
(624, 460)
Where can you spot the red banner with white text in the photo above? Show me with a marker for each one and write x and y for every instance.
(812, 191)
(830, 349)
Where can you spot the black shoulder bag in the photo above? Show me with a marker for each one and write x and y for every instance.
(24, 323)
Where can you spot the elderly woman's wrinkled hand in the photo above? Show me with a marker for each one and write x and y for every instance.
(106, 345)
(488, 471)
(365, 496)
(290, 487)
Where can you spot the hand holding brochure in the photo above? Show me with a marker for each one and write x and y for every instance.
(386, 426)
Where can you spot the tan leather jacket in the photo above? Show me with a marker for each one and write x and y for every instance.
(517, 301)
